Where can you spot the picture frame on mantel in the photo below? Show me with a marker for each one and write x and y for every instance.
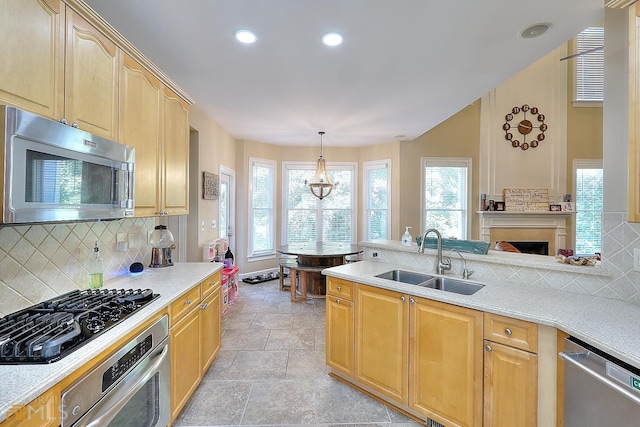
(567, 206)
(210, 186)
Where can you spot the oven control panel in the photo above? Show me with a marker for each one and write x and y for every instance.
(126, 362)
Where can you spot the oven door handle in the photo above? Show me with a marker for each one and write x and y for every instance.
(572, 359)
(141, 378)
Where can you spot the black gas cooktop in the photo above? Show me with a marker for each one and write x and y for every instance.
(53, 329)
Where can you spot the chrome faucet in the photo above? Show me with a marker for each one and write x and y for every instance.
(466, 272)
(442, 266)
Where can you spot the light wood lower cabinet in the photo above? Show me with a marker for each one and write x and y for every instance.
(41, 412)
(340, 326)
(194, 333)
(510, 372)
(423, 355)
(445, 360)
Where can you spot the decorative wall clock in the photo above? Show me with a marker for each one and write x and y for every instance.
(525, 119)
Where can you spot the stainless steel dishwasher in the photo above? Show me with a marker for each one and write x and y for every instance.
(599, 390)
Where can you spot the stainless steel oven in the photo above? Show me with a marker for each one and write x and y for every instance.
(130, 388)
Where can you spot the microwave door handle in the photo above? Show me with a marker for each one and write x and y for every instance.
(113, 408)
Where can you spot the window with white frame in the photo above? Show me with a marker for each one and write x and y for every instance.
(588, 203)
(445, 195)
(262, 214)
(308, 219)
(377, 193)
(589, 65)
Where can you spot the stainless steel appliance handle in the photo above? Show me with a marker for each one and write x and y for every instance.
(572, 359)
(140, 379)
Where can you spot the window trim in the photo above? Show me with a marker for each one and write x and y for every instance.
(366, 166)
(447, 161)
(311, 166)
(268, 254)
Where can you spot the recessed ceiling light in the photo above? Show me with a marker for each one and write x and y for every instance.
(245, 36)
(332, 39)
(535, 30)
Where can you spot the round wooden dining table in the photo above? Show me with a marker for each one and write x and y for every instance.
(313, 257)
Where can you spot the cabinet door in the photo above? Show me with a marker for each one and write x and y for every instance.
(32, 34)
(140, 98)
(340, 344)
(382, 319)
(210, 328)
(175, 154)
(445, 362)
(91, 78)
(510, 387)
(186, 370)
(41, 412)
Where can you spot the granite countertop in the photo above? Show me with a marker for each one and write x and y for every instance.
(20, 384)
(608, 324)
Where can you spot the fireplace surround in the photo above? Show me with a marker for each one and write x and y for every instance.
(516, 227)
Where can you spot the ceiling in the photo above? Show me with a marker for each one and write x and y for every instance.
(404, 66)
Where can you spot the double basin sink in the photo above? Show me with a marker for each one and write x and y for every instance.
(447, 284)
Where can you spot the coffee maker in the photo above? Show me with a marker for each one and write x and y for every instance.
(161, 241)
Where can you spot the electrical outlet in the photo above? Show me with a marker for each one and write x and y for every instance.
(375, 254)
(202, 226)
(213, 223)
(636, 259)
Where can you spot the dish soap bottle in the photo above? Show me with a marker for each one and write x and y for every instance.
(95, 269)
(406, 237)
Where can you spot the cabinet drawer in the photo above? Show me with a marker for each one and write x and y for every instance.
(340, 288)
(512, 332)
(210, 284)
(180, 307)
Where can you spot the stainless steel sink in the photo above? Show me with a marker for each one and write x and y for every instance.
(456, 286)
(447, 284)
(408, 277)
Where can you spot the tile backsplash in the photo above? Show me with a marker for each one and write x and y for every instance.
(38, 262)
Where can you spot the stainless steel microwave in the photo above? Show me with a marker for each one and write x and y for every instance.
(54, 172)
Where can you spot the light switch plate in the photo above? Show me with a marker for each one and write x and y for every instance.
(636, 259)
(213, 223)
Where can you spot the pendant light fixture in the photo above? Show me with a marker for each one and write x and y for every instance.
(320, 185)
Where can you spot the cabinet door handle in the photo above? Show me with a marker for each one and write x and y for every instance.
(338, 301)
(402, 298)
(187, 302)
(74, 125)
(339, 288)
(63, 121)
(412, 301)
(508, 331)
(488, 348)
(204, 306)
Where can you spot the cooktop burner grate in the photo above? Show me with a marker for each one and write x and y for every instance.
(51, 330)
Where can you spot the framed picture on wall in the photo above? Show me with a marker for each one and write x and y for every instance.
(210, 186)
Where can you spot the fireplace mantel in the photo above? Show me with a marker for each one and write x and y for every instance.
(554, 224)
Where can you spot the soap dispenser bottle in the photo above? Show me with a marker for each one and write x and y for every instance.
(95, 269)
(406, 237)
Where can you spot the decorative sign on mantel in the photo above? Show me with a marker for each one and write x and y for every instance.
(526, 199)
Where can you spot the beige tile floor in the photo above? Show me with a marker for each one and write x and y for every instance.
(269, 373)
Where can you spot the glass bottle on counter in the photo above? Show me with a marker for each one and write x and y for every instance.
(95, 269)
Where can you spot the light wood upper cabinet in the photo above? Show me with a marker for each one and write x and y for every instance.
(382, 341)
(140, 106)
(32, 37)
(445, 362)
(175, 155)
(91, 78)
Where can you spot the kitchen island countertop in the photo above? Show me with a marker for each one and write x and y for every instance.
(609, 324)
(20, 384)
